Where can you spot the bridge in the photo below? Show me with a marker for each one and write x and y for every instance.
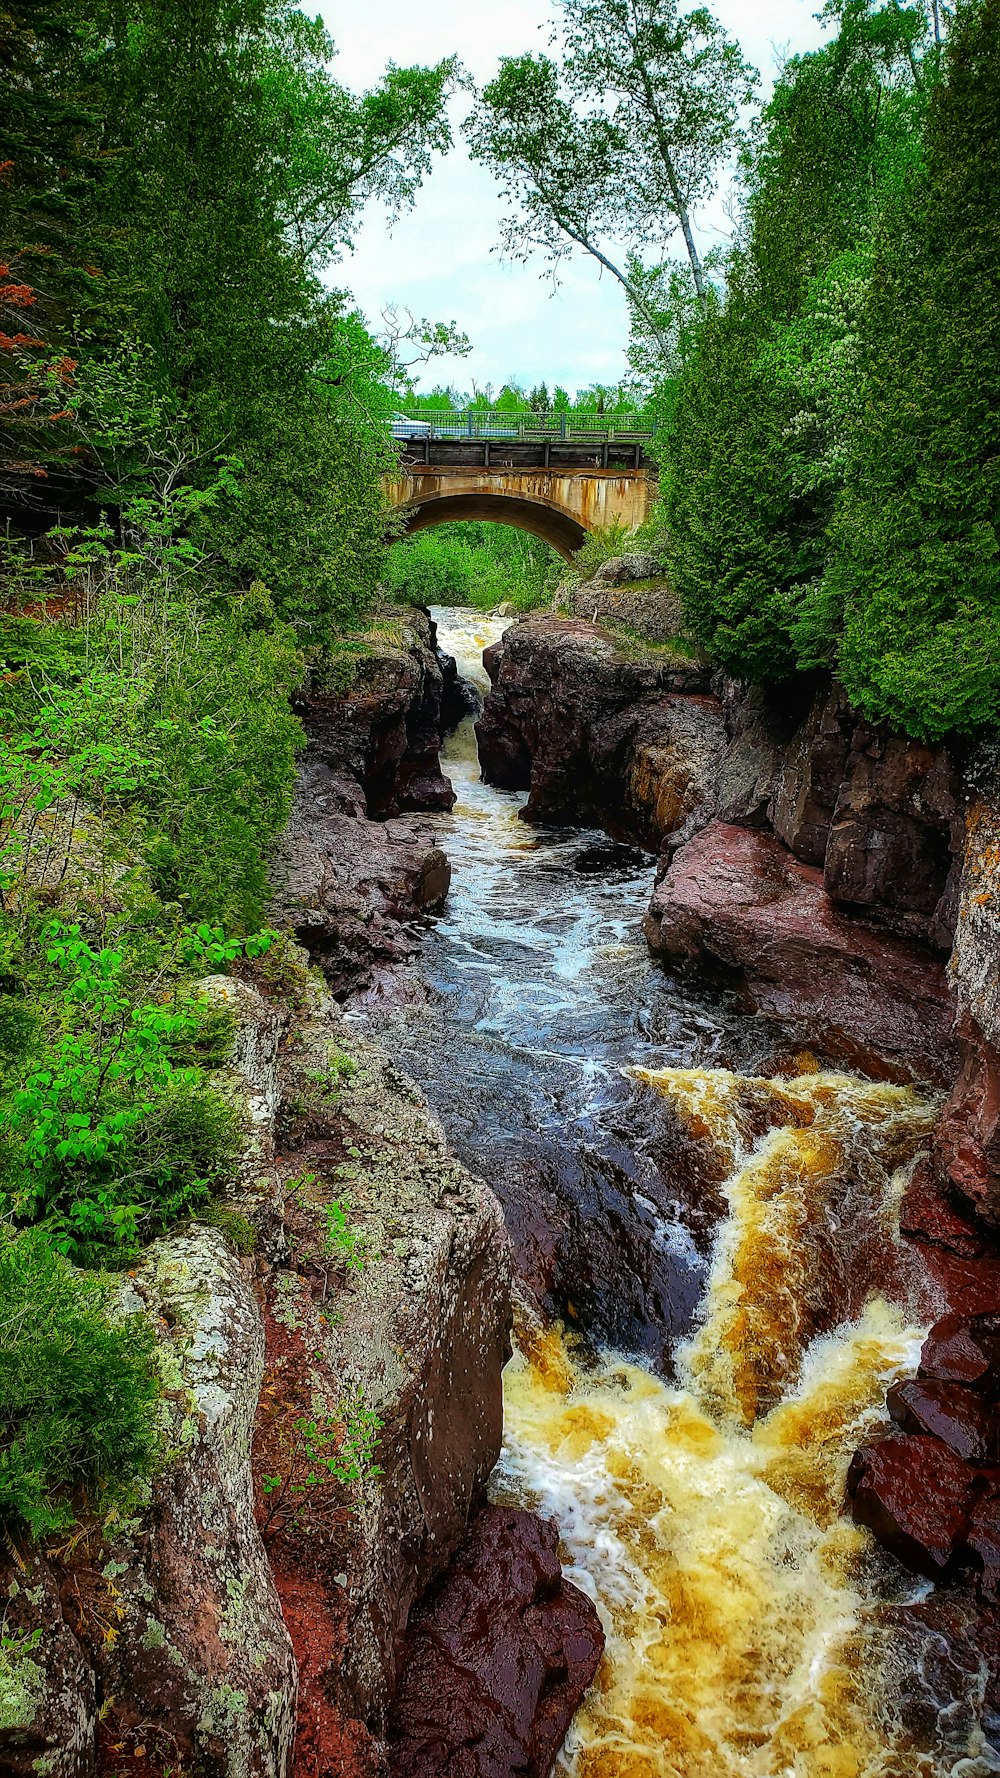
(559, 482)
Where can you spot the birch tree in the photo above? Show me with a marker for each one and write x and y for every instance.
(611, 150)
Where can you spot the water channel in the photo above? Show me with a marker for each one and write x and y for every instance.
(707, 1217)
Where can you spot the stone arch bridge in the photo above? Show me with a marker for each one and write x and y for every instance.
(559, 489)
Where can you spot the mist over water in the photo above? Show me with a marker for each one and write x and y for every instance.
(690, 1435)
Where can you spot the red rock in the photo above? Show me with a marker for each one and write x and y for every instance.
(896, 831)
(963, 1349)
(927, 1213)
(596, 733)
(916, 1496)
(967, 1140)
(497, 1658)
(962, 1419)
(983, 1541)
(736, 900)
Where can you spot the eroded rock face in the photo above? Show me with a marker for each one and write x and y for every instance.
(384, 731)
(48, 1697)
(595, 733)
(420, 1334)
(735, 900)
(498, 1658)
(351, 887)
(202, 1651)
(881, 815)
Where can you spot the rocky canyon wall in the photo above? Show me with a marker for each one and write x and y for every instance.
(845, 880)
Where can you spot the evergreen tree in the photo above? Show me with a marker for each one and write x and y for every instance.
(917, 534)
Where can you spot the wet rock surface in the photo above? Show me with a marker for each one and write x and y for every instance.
(736, 901)
(497, 1657)
(917, 1496)
(352, 888)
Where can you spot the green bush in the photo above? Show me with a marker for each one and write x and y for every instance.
(78, 1393)
(105, 1136)
(477, 564)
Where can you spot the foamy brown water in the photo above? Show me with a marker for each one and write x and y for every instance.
(753, 1631)
(747, 1625)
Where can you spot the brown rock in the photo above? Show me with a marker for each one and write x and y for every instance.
(896, 831)
(594, 731)
(734, 900)
(967, 1139)
(983, 1542)
(974, 961)
(962, 1419)
(809, 782)
(498, 1657)
(917, 1496)
(643, 602)
(928, 1213)
(384, 730)
(963, 1349)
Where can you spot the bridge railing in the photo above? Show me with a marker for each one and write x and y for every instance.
(555, 424)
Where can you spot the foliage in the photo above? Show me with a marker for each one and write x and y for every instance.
(602, 545)
(316, 1456)
(105, 1136)
(343, 1240)
(802, 380)
(77, 1392)
(482, 565)
(916, 552)
(612, 147)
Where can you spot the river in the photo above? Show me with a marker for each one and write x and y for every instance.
(708, 1218)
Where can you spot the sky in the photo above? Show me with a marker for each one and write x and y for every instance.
(441, 260)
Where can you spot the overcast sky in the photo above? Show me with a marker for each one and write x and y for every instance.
(438, 259)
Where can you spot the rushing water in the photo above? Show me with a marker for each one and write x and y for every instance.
(753, 1631)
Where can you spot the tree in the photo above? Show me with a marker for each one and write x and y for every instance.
(762, 415)
(49, 163)
(615, 147)
(916, 538)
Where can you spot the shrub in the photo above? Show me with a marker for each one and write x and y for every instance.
(104, 1136)
(78, 1392)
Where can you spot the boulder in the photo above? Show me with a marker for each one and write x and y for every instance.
(736, 901)
(963, 1349)
(928, 1212)
(961, 1418)
(595, 731)
(497, 1658)
(617, 570)
(917, 1496)
(643, 603)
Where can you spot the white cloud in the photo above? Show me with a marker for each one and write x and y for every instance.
(438, 260)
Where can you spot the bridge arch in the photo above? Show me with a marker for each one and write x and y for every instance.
(558, 490)
(558, 528)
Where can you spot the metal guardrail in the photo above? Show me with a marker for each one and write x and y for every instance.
(589, 451)
(555, 424)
